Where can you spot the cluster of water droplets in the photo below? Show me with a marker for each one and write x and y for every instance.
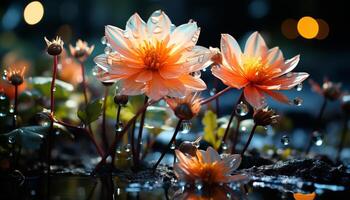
(4, 104)
(285, 140)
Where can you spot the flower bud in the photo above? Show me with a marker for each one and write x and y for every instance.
(121, 99)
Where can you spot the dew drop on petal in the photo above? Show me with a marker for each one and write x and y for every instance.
(186, 127)
(108, 50)
(288, 75)
(104, 40)
(196, 74)
(157, 30)
(242, 109)
(200, 58)
(297, 101)
(285, 140)
(299, 87)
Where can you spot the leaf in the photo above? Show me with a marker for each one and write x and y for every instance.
(43, 85)
(210, 124)
(91, 112)
(28, 137)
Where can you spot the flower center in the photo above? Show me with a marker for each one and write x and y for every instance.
(253, 68)
(154, 55)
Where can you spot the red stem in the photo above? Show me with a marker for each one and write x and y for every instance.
(84, 83)
(15, 112)
(52, 89)
(207, 100)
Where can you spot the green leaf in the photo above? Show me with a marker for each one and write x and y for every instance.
(210, 124)
(28, 137)
(43, 85)
(91, 112)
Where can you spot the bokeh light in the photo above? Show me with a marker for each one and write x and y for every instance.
(308, 27)
(33, 13)
(323, 29)
(289, 28)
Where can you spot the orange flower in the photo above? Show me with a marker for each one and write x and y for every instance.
(258, 70)
(9, 89)
(81, 50)
(300, 196)
(155, 58)
(207, 167)
(187, 107)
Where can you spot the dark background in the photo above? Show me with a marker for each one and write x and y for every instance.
(86, 19)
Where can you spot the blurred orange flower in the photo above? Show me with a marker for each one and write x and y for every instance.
(258, 70)
(155, 58)
(207, 167)
(329, 89)
(81, 50)
(70, 70)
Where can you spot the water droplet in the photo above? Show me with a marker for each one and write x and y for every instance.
(33, 192)
(109, 159)
(2, 114)
(155, 19)
(108, 50)
(297, 101)
(285, 140)
(317, 138)
(288, 75)
(157, 30)
(212, 92)
(11, 110)
(54, 89)
(299, 87)
(224, 146)
(196, 74)
(104, 40)
(242, 109)
(11, 139)
(127, 148)
(95, 70)
(186, 127)
(173, 146)
(119, 127)
(199, 185)
(200, 58)
(4, 75)
(2, 96)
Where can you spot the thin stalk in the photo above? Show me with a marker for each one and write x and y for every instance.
(233, 113)
(139, 138)
(84, 83)
(133, 150)
(207, 100)
(319, 121)
(235, 136)
(104, 135)
(15, 109)
(52, 89)
(117, 126)
(249, 139)
(343, 137)
(178, 126)
(217, 103)
(117, 137)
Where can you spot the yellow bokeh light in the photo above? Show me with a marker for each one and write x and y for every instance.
(308, 27)
(33, 13)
